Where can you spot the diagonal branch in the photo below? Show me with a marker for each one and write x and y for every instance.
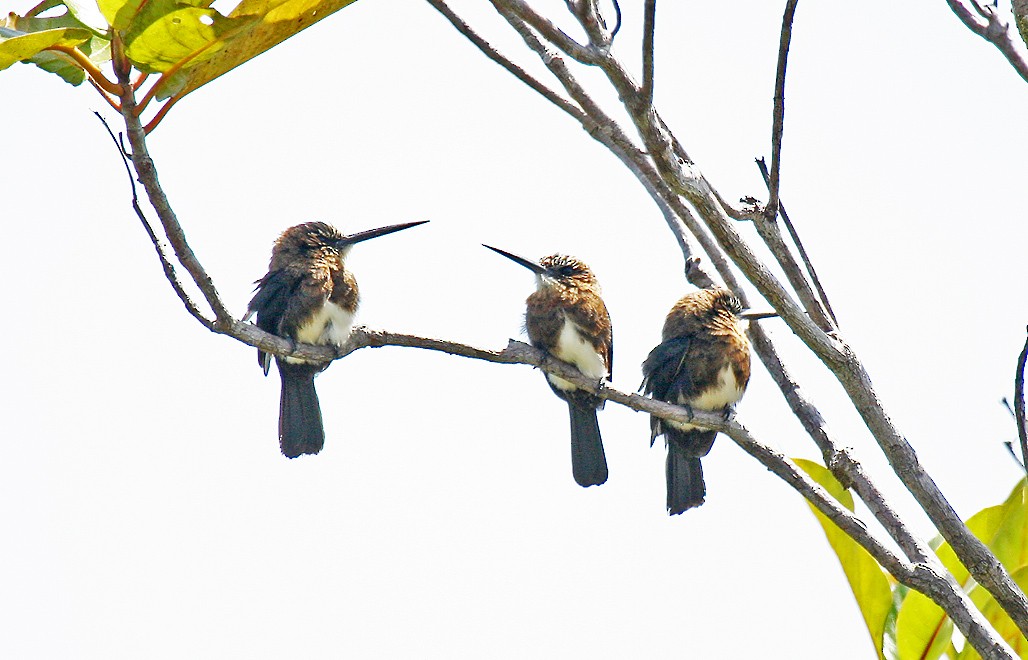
(926, 577)
(778, 115)
(549, 31)
(680, 175)
(1019, 414)
(794, 235)
(995, 31)
(166, 265)
(649, 28)
(147, 173)
(496, 56)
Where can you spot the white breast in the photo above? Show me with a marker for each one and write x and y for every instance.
(575, 349)
(330, 325)
(727, 391)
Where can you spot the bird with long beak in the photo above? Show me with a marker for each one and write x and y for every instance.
(702, 363)
(308, 297)
(566, 317)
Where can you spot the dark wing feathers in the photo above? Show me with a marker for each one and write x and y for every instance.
(274, 292)
(663, 375)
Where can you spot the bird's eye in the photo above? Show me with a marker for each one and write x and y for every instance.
(566, 271)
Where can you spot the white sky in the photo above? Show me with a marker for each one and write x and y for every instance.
(148, 513)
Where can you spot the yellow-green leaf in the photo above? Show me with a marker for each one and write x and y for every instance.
(120, 13)
(1003, 528)
(18, 46)
(867, 580)
(183, 37)
(923, 631)
(999, 619)
(983, 525)
(270, 22)
(1010, 542)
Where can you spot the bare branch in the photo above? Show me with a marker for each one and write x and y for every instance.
(617, 19)
(549, 31)
(1019, 415)
(166, 265)
(995, 31)
(778, 116)
(681, 175)
(926, 576)
(649, 27)
(147, 173)
(794, 235)
(588, 14)
(496, 56)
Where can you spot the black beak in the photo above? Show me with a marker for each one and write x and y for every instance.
(530, 265)
(375, 233)
(756, 316)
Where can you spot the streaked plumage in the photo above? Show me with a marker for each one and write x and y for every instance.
(702, 362)
(566, 317)
(309, 297)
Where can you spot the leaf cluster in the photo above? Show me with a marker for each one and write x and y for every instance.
(186, 43)
(904, 623)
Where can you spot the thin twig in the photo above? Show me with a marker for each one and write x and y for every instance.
(649, 27)
(166, 265)
(147, 173)
(678, 175)
(497, 57)
(794, 235)
(995, 32)
(617, 21)
(549, 31)
(778, 115)
(924, 577)
(1019, 414)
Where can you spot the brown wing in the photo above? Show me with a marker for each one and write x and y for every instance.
(593, 321)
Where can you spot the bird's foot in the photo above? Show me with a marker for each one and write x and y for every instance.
(728, 413)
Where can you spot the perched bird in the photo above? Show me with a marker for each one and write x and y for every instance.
(567, 318)
(309, 297)
(703, 363)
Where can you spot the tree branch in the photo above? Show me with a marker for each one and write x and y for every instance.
(995, 31)
(778, 115)
(683, 178)
(794, 235)
(927, 577)
(166, 265)
(549, 31)
(1019, 414)
(649, 28)
(147, 174)
(496, 56)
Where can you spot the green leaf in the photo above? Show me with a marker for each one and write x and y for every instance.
(1010, 541)
(61, 65)
(1003, 528)
(983, 525)
(267, 23)
(1007, 536)
(172, 34)
(120, 13)
(16, 46)
(97, 48)
(867, 579)
(923, 631)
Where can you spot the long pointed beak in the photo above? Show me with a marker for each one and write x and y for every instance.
(530, 265)
(756, 316)
(375, 233)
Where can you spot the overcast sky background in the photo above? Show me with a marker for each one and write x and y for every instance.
(147, 511)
